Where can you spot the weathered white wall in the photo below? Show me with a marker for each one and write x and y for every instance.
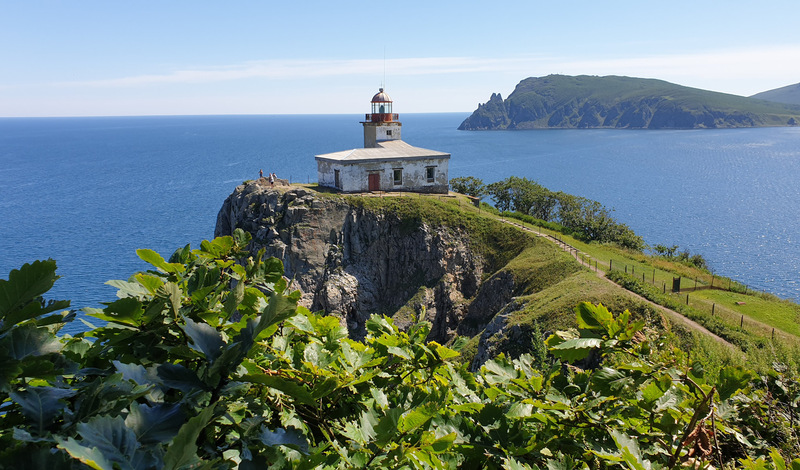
(325, 174)
(354, 177)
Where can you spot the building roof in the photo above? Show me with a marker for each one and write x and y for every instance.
(381, 97)
(388, 150)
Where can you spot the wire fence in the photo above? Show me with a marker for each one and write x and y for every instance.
(679, 290)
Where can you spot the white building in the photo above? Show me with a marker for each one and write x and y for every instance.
(386, 163)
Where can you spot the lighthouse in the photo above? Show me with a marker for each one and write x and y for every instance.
(381, 124)
(386, 163)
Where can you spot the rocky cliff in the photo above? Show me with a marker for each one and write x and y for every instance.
(353, 256)
(352, 260)
(559, 101)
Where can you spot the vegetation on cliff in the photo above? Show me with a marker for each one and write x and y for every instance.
(559, 101)
(209, 363)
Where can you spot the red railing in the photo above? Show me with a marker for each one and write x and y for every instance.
(381, 117)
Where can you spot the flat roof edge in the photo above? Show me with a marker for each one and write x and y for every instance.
(445, 156)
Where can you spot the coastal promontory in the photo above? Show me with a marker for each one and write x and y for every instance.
(438, 258)
(561, 101)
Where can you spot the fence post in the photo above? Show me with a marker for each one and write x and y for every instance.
(713, 307)
(664, 285)
(626, 269)
(609, 264)
(687, 299)
(642, 277)
(773, 333)
(741, 322)
(654, 277)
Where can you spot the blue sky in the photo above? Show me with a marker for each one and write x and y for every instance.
(88, 57)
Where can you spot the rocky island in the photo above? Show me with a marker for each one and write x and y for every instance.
(560, 101)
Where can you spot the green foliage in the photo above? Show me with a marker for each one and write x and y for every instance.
(206, 362)
(685, 256)
(583, 218)
(469, 185)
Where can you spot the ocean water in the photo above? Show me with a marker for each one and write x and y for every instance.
(88, 192)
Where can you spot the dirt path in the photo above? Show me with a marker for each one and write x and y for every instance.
(671, 314)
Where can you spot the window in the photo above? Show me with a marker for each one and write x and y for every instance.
(389, 132)
(429, 173)
(398, 176)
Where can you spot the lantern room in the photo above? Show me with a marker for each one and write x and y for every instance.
(381, 108)
(381, 124)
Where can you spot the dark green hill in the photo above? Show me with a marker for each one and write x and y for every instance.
(789, 94)
(561, 101)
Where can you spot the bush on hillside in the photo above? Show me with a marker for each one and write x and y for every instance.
(468, 185)
(583, 218)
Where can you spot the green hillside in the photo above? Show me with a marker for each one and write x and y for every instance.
(789, 94)
(560, 101)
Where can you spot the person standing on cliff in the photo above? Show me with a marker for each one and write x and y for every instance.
(260, 173)
(272, 179)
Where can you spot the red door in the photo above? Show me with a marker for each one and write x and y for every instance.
(374, 182)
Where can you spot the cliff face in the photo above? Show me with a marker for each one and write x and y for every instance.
(472, 275)
(352, 262)
(558, 101)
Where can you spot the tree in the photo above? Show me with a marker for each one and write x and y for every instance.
(468, 185)
(501, 193)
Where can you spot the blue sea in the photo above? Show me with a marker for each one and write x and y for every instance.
(88, 192)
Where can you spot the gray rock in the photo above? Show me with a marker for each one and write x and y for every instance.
(352, 262)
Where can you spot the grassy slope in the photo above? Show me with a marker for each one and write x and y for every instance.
(753, 332)
(550, 283)
(789, 94)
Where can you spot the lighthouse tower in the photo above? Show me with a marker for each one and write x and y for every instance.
(380, 125)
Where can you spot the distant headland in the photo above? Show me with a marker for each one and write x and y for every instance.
(561, 101)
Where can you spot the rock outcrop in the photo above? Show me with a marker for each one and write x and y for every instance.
(351, 261)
